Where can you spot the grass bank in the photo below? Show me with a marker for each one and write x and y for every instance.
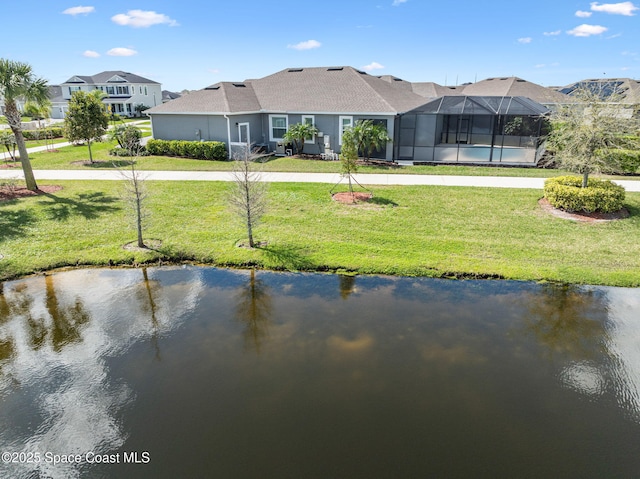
(431, 231)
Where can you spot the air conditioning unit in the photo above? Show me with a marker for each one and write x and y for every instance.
(279, 149)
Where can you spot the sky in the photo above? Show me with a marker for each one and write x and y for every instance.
(191, 44)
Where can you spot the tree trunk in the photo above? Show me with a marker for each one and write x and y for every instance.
(90, 155)
(585, 179)
(139, 221)
(13, 118)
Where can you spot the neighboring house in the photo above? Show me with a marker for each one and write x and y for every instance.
(626, 89)
(333, 99)
(123, 91)
(169, 95)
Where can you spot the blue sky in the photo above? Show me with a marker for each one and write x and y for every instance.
(191, 44)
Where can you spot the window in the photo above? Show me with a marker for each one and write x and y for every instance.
(141, 90)
(74, 89)
(128, 107)
(309, 120)
(110, 90)
(145, 91)
(345, 123)
(122, 90)
(278, 125)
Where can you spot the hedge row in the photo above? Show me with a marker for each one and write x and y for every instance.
(628, 160)
(43, 133)
(200, 150)
(566, 193)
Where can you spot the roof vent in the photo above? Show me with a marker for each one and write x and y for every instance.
(503, 78)
(521, 80)
(489, 79)
(239, 85)
(398, 79)
(292, 70)
(335, 69)
(212, 88)
(361, 72)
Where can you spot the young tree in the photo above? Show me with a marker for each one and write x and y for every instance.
(248, 194)
(86, 118)
(349, 157)
(18, 81)
(298, 133)
(135, 194)
(37, 111)
(9, 141)
(128, 138)
(139, 108)
(585, 134)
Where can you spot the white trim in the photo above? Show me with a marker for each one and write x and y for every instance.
(248, 125)
(313, 123)
(286, 126)
(340, 129)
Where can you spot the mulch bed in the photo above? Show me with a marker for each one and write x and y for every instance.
(351, 199)
(583, 217)
(8, 193)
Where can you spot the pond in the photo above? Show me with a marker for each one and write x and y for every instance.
(203, 372)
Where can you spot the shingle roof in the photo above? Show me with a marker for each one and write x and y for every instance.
(514, 86)
(223, 97)
(331, 90)
(105, 76)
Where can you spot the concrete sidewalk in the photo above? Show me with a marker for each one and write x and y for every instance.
(330, 178)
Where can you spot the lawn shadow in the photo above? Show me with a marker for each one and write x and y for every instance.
(110, 164)
(287, 256)
(376, 200)
(88, 205)
(15, 223)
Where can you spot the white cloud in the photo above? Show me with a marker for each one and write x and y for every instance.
(90, 54)
(142, 19)
(215, 71)
(525, 40)
(551, 34)
(372, 66)
(80, 10)
(397, 3)
(585, 30)
(308, 45)
(623, 8)
(121, 52)
(583, 14)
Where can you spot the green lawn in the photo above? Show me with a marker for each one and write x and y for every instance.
(64, 158)
(433, 231)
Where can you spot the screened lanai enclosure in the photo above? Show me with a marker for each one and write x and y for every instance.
(467, 129)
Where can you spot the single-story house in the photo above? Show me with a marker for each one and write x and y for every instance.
(260, 111)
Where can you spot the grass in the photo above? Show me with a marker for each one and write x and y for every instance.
(430, 231)
(67, 158)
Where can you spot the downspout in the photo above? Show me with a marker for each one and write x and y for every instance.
(228, 134)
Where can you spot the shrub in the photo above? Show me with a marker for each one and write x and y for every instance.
(566, 193)
(628, 160)
(118, 151)
(43, 133)
(200, 150)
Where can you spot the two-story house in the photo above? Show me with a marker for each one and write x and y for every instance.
(123, 92)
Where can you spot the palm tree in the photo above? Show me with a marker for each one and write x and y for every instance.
(370, 137)
(18, 81)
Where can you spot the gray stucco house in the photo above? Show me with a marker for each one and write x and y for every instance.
(333, 99)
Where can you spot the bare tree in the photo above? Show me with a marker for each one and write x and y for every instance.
(248, 194)
(135, 194)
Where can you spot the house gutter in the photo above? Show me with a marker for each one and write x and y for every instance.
(228, 134)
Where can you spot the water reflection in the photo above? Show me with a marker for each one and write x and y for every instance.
(222, 373)
(254, 310)
(64, 328)
(568, 319)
